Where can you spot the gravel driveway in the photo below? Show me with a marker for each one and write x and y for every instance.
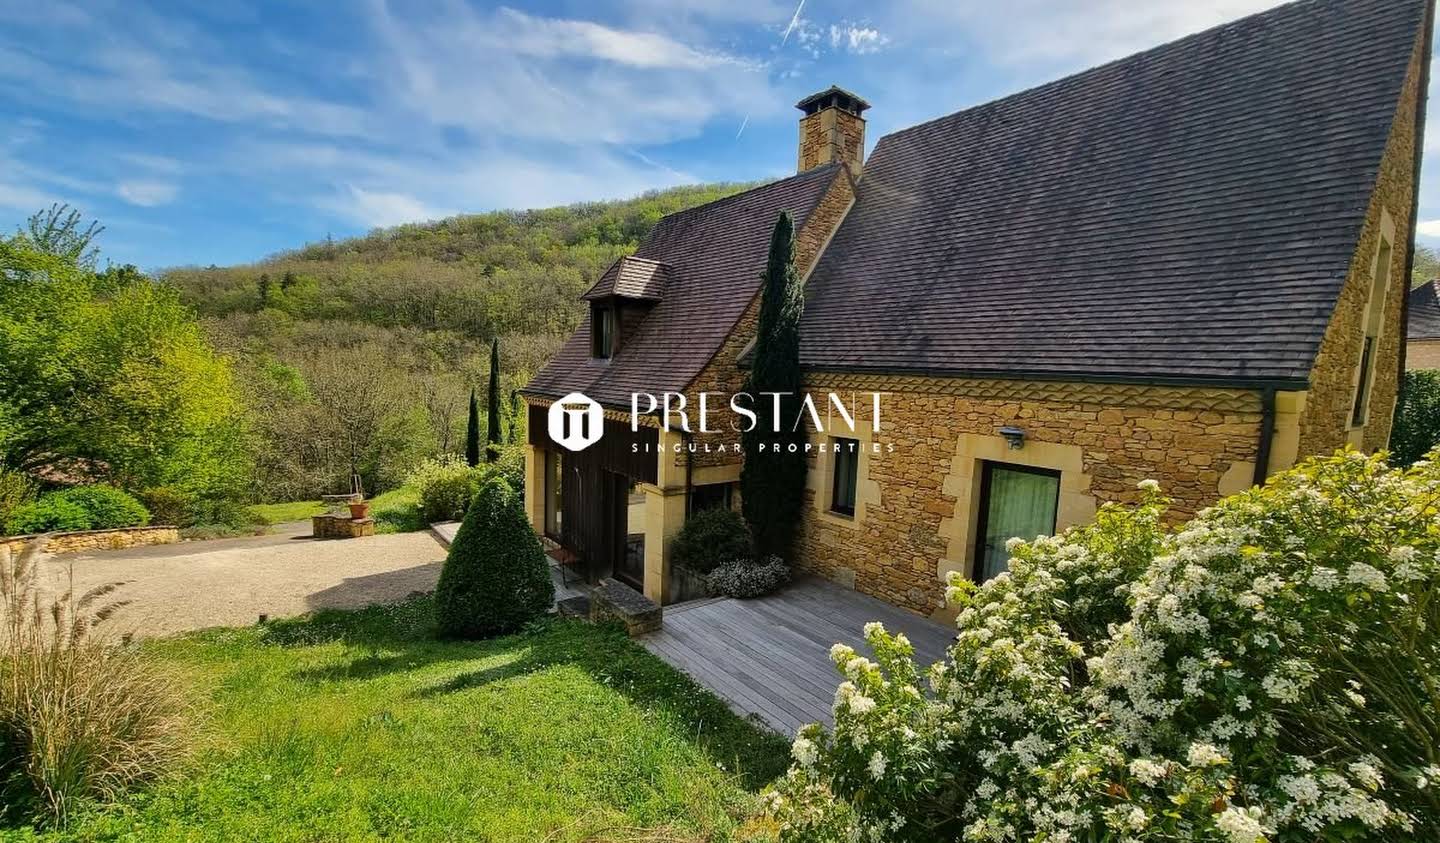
(231, 582)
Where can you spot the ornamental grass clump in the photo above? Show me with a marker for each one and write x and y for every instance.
(1269, 671)
(82, 718)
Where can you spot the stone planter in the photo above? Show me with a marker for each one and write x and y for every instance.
(685, 584)
(341, 527)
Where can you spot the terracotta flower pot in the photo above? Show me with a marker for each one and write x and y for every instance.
(359, 510)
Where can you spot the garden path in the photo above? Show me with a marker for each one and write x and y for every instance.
(231, 582)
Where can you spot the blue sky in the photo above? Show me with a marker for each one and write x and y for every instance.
(221, 132)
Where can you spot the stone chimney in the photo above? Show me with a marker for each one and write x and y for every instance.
(832, 129)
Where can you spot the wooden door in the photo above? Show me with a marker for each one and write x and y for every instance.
(594, 526)
(629, 566)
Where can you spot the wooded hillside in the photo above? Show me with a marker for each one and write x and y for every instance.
(373, 344)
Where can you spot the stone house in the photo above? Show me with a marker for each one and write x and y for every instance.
(1422, 334)
(1186, 265)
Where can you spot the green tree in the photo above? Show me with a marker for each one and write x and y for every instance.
(107, 375)
(495, 578)
(472, 433)
(517, 407)
(1417, 418)
(1426, 266)
(493, 438)
(57, 232)
(772, 480)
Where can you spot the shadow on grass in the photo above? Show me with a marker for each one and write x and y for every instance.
(399, 638)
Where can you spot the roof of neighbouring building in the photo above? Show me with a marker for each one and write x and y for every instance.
(1423, 320)
(715, 253)
(632, 278)
(1188, 213)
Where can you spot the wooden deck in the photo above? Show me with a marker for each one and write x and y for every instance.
(770, 657)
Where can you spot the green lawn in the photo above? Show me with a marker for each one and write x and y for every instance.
(359, 726)
(395, 511)
(279, 513)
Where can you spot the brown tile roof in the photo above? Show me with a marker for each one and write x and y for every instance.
(1423, 319)
(633, 278)
(1185, 213)
(715, 253)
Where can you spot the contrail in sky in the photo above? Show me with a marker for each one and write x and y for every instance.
(794, 22)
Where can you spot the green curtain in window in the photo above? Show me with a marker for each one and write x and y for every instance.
(1022, 504)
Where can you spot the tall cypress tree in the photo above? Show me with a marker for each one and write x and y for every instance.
(772, 480)
(472, 433)
(493, 437)
(516, 408)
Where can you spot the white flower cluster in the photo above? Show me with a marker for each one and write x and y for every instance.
(1101, 688)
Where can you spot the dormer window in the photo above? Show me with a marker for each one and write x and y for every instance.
(602, 332)
(619, 300)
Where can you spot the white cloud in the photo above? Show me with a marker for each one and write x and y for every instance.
(153, 163)
(24, 198)
(523, 34)
(1074, 33)
(513, 75)
(147, 193)
(437, 109)
(856, 39)
(382, 189)
(379, 208)
(1428, 228)
(138, 59)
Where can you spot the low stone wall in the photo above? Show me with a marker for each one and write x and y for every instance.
(341, 527)
(97, 539)
(612, 600)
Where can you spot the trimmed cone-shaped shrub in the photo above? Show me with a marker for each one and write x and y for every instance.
(496, 578)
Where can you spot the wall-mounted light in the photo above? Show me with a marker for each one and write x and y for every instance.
(1015, 436)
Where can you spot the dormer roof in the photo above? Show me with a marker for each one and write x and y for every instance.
(632, 277)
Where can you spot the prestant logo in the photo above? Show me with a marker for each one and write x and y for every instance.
(576, 422)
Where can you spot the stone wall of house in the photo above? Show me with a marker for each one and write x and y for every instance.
(1326, 423)
(97, 539)
(917, 504)
(1422, 354)
(723, 374)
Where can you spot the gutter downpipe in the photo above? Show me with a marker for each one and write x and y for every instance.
(1267, 434)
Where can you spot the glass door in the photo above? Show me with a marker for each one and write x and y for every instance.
(1016, 501)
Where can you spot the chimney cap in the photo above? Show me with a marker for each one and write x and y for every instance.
(833, 96)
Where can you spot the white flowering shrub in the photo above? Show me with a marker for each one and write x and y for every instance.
(745, 577)
(1268, 672)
